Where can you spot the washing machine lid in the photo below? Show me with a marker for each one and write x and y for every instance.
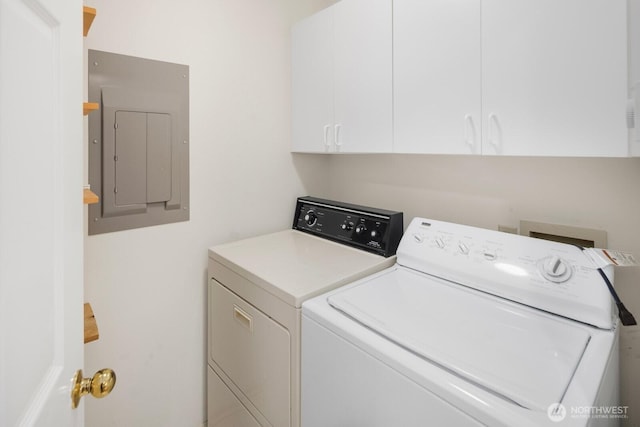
(519, 353)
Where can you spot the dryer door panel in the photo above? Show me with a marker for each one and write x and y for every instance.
(224, 409)
(254, 352)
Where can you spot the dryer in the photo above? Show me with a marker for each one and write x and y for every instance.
(256, 290)
(470, 327)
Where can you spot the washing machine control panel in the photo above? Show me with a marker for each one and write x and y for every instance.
(371, 229)
(551, 276)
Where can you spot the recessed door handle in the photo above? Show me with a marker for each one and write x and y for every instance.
(243, 317)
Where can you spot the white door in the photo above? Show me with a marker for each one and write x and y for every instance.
(436, 76)
(363, 76)
(41, 211)
(554, 77)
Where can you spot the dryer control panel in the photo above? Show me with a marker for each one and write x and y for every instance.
(371, 229)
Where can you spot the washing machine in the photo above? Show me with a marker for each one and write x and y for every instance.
(470, 327)
(255, 291)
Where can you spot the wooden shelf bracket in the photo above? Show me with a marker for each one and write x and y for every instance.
(88, 13)
(88, 107)
(89, 197)
(90, 324)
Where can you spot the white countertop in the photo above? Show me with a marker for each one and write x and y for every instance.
(295, 266)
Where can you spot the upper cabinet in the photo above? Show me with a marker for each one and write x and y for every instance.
(312, 83)
(342, 78)
(554, 77)
(436, 80)
(490, 77)
(538, 78)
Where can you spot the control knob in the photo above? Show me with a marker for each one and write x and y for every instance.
(555, 269)
(346, 226)
(375, 235)
(310, 218)
(360, 228)
(490, 255)
(464, 249)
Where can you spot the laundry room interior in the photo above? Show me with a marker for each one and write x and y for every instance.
(148, 286)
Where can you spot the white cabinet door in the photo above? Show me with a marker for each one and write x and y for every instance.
(312, 83)
(363, 76)
(342, 78)
(554, 77)
(436, 81)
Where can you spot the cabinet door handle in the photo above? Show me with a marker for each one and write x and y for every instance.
(326, 135)
(495, 133)
(469, 132)
(336, 135)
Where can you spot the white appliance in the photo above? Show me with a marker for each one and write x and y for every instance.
(470, 327)
(256, 289)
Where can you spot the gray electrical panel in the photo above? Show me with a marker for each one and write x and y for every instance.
(138, 142)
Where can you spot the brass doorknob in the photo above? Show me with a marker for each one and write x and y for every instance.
(99, 386)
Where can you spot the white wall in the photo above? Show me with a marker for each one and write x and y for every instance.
(488, 191)
(148, 286)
